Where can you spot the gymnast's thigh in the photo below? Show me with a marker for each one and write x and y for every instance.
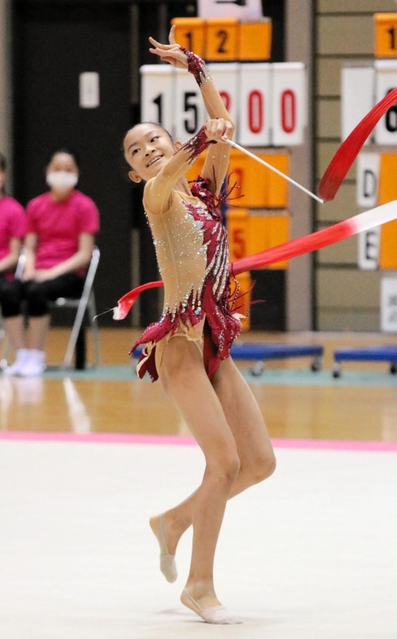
(242, 412)
(183, 376)
(188, 353)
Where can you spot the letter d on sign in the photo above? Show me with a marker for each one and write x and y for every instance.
(368, 167)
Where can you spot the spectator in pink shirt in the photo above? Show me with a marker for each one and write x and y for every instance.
(61, 225)
(12, 230)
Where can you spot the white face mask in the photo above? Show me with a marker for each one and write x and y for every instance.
(61, 180)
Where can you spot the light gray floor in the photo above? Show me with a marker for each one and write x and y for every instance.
(309, 555)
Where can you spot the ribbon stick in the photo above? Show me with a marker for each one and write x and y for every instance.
(349, 149)
(293, 248)
(273, 168)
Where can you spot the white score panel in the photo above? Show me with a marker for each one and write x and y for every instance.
(189, 111)
(368, 249)
(254, 104)
(368, 166)
(388, 305)
(241, 9)
(157, 95)
(288, 103)
(225, 76)
(386, 80)
(357, 92)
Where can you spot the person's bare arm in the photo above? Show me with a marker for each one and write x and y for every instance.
(10, 261)
(217, 160)
(30, 246)
(158, 190)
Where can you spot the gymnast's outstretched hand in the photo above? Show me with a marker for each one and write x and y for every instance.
(171, 52)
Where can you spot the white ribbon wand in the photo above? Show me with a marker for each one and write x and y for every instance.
(272, 168)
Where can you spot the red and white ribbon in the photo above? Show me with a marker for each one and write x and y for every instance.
(293, 248)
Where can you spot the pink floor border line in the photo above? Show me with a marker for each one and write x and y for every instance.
(181, 440)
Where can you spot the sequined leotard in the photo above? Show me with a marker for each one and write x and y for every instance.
(193, 257)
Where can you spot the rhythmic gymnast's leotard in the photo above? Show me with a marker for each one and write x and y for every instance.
(193, 258)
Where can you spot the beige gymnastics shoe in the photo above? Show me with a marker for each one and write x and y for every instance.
(167, 561)
(213, 614)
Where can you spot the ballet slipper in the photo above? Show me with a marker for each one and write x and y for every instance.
(167, 561)
(213, 614)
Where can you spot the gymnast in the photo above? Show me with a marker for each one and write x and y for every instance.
(188, 348)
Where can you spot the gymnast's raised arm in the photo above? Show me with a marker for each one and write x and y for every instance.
(217, 160)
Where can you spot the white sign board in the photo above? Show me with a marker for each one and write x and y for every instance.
(386, 80)
(189, 110)
(255, 102)
(357, 93)
(266, 101)
(225, 76)
(241, 9)
(368, 166)
(157, 95)
(388, 305)
(368, 249)
(288, 99)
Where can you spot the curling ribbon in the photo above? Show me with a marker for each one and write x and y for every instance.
(349, 149)
(125, 303)
(293, 248)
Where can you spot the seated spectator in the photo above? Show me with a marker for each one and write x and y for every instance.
(61, 226)
(12, 230)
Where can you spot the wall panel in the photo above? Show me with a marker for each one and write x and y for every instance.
(355, 320)
(355, 6)
(341, 207)
(345, 298)
(344, 35)
(346, 288)
(328, 118)
(344, 252)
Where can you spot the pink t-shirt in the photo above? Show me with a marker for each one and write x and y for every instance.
(12, 223)
(58, 226)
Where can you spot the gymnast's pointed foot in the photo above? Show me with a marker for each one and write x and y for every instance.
(167, 560)
(209, 609)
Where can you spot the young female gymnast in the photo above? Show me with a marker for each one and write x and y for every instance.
(188, 348)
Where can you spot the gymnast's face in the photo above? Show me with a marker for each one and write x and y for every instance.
(147, 148)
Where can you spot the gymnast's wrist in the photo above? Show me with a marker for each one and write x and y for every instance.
(196, 66)
(197, 144)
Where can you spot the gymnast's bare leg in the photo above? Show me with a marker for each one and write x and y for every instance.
(227, 424)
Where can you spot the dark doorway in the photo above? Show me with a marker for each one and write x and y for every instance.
(54, 43)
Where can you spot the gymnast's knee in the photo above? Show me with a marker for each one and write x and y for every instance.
(226, 468)
(261, 468)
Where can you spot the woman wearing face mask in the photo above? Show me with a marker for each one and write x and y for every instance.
(61, 225)
(12, 230)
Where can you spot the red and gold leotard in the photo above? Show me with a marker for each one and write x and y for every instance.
(193, 257)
